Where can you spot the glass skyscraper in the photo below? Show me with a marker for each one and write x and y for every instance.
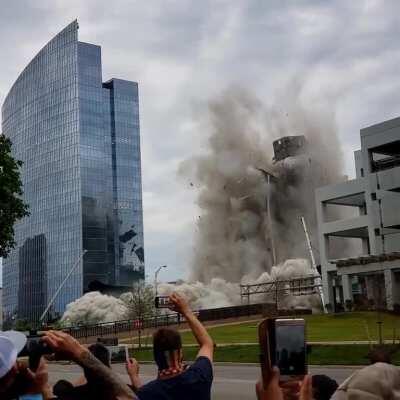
(80, 143)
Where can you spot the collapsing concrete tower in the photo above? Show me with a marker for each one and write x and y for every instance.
(289, 146)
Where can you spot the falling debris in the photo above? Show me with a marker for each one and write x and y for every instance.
(140, 254)
(234, 236)
(289, 146)
(127, 236)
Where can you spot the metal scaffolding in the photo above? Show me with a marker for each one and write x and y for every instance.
(295, 287)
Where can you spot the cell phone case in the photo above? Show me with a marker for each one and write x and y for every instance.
(264, 329)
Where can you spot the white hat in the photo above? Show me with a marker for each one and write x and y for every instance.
(375, 382)
(11, 343)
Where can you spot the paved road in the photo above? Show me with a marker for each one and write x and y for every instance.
(231, 381)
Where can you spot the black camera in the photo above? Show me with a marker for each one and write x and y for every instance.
(162, 302)
(34, 349)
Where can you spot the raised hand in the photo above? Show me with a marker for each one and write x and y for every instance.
(179, 304)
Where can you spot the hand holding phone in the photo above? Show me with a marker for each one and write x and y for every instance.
(282, 344)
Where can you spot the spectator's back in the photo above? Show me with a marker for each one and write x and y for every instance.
(194, 384)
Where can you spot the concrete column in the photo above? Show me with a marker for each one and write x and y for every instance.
(365, 246)
(391, 288)
(369, 283)
(327, 287)
(346, 284)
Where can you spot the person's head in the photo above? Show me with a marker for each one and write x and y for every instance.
(63, 389)
(101, 353)
(167, 348)
(11, 343)
(379, 381)
(323, 387)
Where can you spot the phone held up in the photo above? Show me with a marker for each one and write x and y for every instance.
(283, 344)
(162, 302)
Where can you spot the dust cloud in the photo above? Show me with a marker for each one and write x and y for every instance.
(235, 240)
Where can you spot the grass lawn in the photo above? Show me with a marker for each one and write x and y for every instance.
(319, 355)
(320, 328)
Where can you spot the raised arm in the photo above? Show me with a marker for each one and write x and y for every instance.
(199, 331)
(68, 348)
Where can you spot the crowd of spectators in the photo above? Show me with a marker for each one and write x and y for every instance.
(175, 379)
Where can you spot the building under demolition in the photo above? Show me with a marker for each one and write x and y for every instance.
(372, 276)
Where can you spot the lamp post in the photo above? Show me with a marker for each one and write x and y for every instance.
(156, 275)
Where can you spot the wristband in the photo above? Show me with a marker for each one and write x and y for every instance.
(31, 397)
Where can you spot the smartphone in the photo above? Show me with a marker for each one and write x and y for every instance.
(282, 344)
(265, 329)
(127, 358)
(162, 302)
(290, 353)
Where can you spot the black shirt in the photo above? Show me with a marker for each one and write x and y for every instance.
(194, 384)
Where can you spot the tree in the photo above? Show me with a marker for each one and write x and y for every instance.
(12, 207)
(140, 301)
(140, 304)
(23, 325)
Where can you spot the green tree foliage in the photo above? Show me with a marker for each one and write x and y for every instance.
(12, 208)
(23, 325)
(140, 301)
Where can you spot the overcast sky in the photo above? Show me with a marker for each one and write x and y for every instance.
(183, 53)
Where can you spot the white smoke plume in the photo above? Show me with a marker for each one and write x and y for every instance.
(93, 308)
(220, 293)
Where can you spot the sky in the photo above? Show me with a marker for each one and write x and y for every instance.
(185, 53)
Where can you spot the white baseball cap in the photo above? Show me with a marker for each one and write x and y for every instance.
(11, 343)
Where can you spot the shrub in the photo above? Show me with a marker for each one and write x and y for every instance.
(382, 353)
(396, 308)
(349, 305)
(328, 307)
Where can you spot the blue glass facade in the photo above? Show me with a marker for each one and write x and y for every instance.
(80, 143)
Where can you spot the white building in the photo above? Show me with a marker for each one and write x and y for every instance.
(364, 210)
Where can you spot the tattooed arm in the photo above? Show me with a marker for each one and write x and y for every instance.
(66, 347)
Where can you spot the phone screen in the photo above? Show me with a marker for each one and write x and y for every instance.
(290, 349)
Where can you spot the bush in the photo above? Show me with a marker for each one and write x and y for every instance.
(396, 308)
(371, 304)
(361, 307)
(382, 353)
(328, 307)
(349, 305)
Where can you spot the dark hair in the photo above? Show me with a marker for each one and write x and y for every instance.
(63, 389)
(165, 340)
(101, 353)
(323, 387)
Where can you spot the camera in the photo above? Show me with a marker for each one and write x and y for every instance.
(34, 349)
(162, 302)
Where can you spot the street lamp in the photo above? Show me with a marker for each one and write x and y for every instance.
(155, 276)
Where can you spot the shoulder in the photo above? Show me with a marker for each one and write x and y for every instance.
(149, 386)
(202, 367)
